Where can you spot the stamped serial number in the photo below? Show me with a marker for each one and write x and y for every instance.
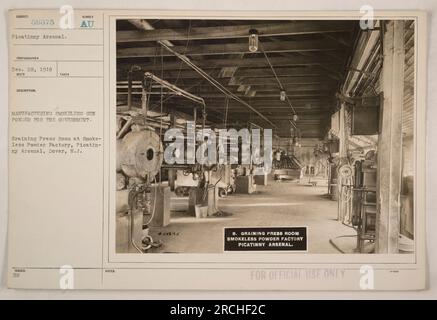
(42, 22)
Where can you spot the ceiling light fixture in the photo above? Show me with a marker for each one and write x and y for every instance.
(253, 40)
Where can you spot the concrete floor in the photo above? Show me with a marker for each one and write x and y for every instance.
(278, 204)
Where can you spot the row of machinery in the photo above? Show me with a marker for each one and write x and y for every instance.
(144, 183)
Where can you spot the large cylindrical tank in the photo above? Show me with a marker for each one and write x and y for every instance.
(140, 154)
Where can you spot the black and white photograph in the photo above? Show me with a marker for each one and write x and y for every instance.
(240, 135)
(252, 150)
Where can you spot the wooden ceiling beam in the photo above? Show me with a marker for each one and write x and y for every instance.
(291, 88)
(249, 81)
(260, 94)
(273, 105)
(286, 80)
(297, 27)
(264, 107)
(281, 110)
(302, 116)
(241, 63)
(271, 100)
(230, 48)
(285, 73)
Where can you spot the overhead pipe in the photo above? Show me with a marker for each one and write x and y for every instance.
(178, 91)
(143, 24)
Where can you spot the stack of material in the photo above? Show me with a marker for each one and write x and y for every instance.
(287, 162)
(287, 168)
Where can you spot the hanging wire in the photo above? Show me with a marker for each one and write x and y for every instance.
(169, 96)
(185, 50)
(179, 70)
(277, 79)
(214, 82)
(226, 111)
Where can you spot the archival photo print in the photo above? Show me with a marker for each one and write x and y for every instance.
(263, 136)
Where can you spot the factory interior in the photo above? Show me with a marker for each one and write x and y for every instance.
(338, 99)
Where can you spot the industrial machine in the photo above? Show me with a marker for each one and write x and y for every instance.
(139, 159)
(364, 200)
(142, 200)
(286, 167)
